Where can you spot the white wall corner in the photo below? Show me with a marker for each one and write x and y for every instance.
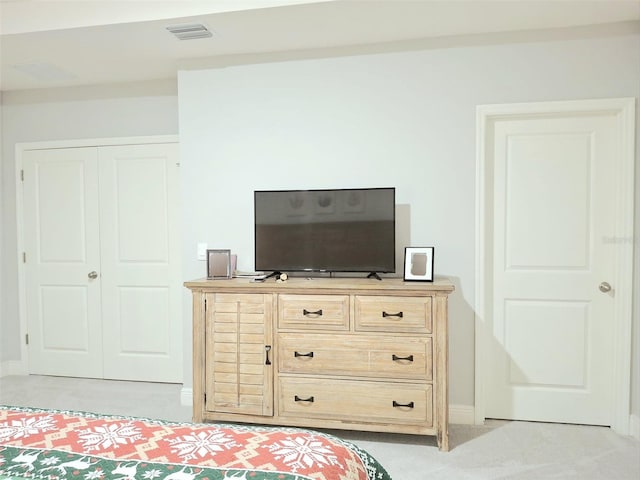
(462, 414)
(186, 397)
(13, 367)
(634, 426)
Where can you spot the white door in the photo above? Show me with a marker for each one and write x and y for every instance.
(62, 249)
(140, 258)
(102, 268)
(551, 357)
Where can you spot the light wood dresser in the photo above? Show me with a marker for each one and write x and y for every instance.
(344, 353)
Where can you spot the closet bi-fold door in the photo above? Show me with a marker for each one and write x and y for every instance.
(103, 269)
(140, 258)
(62, 260)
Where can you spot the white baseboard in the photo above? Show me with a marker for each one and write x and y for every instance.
(462, 414)
(13, 367)
(186, 397)
(634, 426)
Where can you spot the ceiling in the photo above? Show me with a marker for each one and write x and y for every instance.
(48, 43)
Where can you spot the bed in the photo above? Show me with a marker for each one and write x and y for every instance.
(64, 445)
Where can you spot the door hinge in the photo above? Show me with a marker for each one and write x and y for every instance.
(205, 398)
(26, 339)
(24, 257)
(22, 175)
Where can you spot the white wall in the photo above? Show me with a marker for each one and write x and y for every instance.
(403, 119)
(66, 114)
(398, 119)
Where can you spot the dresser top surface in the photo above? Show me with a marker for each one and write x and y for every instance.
(310, 285)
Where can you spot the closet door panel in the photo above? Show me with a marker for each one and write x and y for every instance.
(61, 229)
(141, 264)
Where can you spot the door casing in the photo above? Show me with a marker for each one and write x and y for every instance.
(624, 111)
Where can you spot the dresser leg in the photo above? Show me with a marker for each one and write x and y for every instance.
(443, 441)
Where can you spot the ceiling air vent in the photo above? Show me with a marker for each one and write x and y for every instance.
(190, 31)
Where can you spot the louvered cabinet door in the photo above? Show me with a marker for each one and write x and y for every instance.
(239, 368)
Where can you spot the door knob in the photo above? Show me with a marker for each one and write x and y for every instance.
(604, 287)
(93, 275)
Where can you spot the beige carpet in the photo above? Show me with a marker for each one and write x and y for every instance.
(498, 450)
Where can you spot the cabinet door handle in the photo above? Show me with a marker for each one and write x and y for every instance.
(408, 405)
(298, 354)
(298, 399)
(385, 314)
(394, 357)
(307, 313)
(267, 349)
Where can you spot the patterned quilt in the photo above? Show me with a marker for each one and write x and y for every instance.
(62, 445)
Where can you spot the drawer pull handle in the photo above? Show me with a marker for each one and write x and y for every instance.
(307, 313)
(298, 399)
(385, 315)
(394, 357)
(267, 349)
(298, 354)
(396, 404)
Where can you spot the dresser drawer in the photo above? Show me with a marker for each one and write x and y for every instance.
(393, 314)
(358, 356)
(354, 401)
(313, 312)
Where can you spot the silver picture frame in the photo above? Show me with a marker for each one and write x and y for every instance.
(219, 264)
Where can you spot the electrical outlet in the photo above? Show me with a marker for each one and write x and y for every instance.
(202, 251)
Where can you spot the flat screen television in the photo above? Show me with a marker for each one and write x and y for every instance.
(343, 230)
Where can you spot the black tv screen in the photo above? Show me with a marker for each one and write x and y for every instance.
(345, 230)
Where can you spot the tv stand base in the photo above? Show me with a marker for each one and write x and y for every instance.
(374, 275)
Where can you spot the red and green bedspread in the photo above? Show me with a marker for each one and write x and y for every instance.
(62, 445)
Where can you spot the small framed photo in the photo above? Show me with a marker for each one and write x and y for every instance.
(418, 264)
(219, 264)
